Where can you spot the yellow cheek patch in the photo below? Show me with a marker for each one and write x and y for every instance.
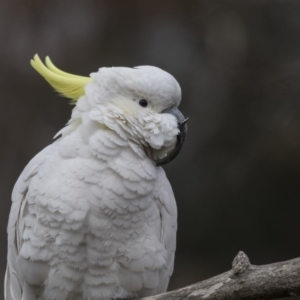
(68, 85)
(127, 106)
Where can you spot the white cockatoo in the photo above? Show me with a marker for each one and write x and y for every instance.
(93, 215)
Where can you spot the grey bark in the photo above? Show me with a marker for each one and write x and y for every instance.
(244, 281)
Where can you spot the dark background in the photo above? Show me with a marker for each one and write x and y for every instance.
(238, 62)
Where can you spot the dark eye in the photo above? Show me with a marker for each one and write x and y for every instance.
(143, 103)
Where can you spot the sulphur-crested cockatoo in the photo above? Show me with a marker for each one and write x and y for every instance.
(93, 215)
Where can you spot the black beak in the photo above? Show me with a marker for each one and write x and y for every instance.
(182, 126)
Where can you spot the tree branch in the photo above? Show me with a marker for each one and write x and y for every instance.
(244, 281)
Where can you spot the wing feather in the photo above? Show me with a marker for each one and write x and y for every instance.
(13, 277)
(168, 227)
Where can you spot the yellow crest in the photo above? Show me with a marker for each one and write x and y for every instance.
(68, 85)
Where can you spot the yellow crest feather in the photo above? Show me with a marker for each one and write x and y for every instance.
(68, 85)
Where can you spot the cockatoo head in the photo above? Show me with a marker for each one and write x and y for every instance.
(139, 104)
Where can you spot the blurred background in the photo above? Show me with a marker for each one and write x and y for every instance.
(237, 180)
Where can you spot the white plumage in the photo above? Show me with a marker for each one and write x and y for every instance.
(92, 215)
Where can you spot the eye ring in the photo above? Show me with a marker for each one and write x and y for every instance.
(143, 103)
